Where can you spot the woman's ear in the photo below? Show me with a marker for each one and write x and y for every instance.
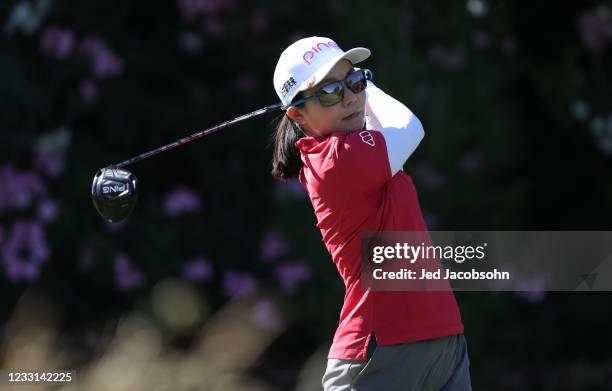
(295, 115)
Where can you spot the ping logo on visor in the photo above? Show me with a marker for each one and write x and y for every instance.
(316, 49)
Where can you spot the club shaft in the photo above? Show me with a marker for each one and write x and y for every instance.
(199, 134)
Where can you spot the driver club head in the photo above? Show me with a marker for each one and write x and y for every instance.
(114, 193)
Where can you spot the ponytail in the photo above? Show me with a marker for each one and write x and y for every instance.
(286, 162)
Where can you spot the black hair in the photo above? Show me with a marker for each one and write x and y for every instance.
(286, 161)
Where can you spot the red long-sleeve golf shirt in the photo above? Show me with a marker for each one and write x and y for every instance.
(356, 185)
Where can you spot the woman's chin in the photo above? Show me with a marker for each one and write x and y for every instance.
(356, 123)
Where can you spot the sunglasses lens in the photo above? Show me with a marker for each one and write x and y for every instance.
(356, 81)
(331, 93)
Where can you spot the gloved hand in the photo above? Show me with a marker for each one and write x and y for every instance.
(369, 74)
(371, 121)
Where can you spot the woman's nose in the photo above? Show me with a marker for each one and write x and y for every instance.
(349, 97)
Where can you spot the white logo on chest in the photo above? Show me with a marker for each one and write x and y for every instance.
(367, 138)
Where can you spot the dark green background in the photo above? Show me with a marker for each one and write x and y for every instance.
(506, 148)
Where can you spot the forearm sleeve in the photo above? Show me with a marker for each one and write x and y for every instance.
(400, 128)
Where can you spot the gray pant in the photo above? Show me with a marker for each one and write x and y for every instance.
(439, 364)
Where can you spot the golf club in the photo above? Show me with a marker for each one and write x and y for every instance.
(114, 190)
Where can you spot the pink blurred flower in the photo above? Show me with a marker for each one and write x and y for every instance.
(91, 44)
(115, 227)
(532, 288)
(49, 161)
(18, 189)
(534, 297)
(213, 27)
(48, 210)
(21, 271)
(127, 276)
(191, 9)
(595, 30)
(239, 284)
(24, 251)
(57, 42)
(291, 187)
(181, 200)
(272, 246)
(266, 315)
(198, 269)
(89, 91)
(450, 59)
(106, 63)
(291, 274)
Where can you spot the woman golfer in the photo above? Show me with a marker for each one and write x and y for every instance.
(347, 144)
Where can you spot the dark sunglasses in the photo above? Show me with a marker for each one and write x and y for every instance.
(332, 93)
